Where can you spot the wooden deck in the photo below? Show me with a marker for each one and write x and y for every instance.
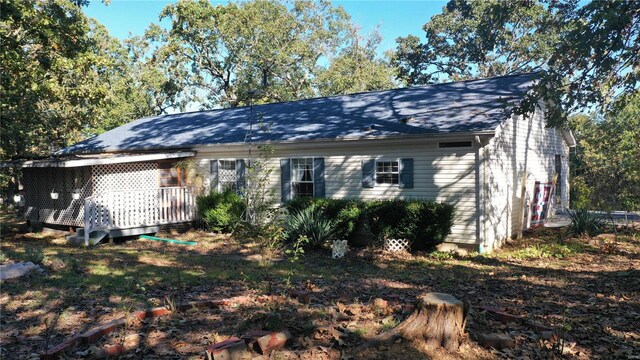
(124, 211)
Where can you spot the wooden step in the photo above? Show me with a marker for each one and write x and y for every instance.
(94, 237)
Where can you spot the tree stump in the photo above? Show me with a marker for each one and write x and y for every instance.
(438, 319)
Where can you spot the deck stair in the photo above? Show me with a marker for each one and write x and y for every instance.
(94, 237)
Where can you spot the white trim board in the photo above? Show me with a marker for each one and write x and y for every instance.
(115, 159)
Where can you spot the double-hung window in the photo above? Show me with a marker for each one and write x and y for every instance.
(227, 175)
(302, 177)
(387, 172)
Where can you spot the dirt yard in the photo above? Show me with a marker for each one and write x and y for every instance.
(586, 290)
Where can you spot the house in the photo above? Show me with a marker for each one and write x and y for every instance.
(454, 142)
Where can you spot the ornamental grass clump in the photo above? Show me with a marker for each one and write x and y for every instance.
(583, 222)
(312, 224)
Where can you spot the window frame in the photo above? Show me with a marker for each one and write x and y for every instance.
(295, 161)
(391, 173)
(219, 185)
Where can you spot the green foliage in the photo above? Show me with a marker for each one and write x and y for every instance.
(343, 212)
(296, 251)
(221, 211)
(545, 251)
(478, 39)
(356, 68)
(588, 51)
(312, 224)
(258, 192)
(34, 254)
(266, 51)
(426, 223)
(442, 255)
(63, 78)
(606, 166)
(584, 222)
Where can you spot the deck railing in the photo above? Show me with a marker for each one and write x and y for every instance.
(137, 208)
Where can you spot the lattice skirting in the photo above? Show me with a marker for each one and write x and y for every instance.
(394, 245)
(73, 185)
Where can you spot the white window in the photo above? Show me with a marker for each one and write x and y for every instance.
(387, 172)
(302, 177)
(227, 175)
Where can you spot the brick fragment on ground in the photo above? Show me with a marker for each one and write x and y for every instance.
(273, 341)
(138, 315)
(230, 349)
(499, 314)
(112, 350)
(495, 340)
(158, 311)
(94, 334)
(54, 352)
(252, 336)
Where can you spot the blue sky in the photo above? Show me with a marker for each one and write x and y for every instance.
(394, 18)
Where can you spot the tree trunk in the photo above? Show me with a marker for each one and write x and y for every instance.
(438, 320)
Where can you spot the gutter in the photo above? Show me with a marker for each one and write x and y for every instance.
(189, 147)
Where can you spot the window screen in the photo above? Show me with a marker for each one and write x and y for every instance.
(227, 175)
(302, 177)
(387, 172)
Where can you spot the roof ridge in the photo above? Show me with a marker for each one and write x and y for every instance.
(349, 95)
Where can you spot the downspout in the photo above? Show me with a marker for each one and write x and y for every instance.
(481, 203)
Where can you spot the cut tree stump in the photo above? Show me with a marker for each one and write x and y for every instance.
(438, 319)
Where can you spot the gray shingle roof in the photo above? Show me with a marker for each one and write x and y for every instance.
(467, 106)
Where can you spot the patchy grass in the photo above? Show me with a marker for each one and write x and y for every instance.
(584, 286)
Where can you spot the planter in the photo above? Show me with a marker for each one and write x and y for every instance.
(338, 249)
(362, 236)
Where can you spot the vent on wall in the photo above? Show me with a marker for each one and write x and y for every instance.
(454, 144)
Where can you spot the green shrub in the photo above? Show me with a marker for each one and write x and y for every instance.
(312, 224)
(426, 223)
(344, 213)
(584, 222)
(34, 254)
(220, 211)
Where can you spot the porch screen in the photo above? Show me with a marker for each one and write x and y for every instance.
(169, 174)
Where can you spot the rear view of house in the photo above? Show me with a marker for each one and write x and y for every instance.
(454, 142)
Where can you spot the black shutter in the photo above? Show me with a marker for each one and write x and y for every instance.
(318, 177)
(214, 175)
(285, 179)
(406, 174)
(240, 171)
(368, 173)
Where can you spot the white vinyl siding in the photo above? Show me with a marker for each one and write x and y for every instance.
(520, 144)
(438, 174)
